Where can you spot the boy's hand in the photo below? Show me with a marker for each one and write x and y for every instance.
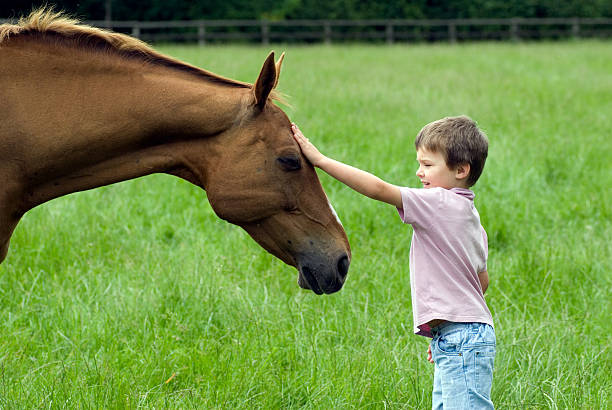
(361, 181)
(429, 358)
(310, 151)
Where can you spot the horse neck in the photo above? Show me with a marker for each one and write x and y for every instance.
(128, 122)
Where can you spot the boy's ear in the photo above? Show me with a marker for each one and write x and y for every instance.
(462, 171)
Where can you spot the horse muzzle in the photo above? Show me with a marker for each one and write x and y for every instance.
(321, 277)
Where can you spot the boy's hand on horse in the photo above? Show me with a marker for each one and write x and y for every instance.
(308, 149)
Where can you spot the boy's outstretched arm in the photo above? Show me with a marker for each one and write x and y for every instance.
(361, 181)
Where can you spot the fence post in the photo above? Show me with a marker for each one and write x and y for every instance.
(265, 32)
(327, 32)
(136, 30)
(452, 33)
(514, 32)
(108, 13)
(389, 33)
(575, 28)
(201, 34)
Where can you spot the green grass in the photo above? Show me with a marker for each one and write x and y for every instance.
(137, 296)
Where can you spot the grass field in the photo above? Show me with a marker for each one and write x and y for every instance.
(137, 296)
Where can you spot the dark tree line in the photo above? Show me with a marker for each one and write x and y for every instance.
(150, 10)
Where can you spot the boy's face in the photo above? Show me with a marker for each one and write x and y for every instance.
(433, 171)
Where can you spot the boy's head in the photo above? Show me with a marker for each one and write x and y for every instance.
(459, 141)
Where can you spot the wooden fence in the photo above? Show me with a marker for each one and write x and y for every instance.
(389, 31)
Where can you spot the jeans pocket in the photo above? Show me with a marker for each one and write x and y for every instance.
(484, 361)
(485, 351)
(450, 344)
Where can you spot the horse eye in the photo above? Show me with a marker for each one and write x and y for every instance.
(289, 163)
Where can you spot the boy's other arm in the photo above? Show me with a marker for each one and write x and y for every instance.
(483, 277)
(357, 179)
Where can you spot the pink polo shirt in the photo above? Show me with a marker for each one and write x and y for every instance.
(448, 250)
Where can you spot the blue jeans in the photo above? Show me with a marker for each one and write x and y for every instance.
(463, 354)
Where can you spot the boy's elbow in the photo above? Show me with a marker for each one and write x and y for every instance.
(377, 190)
(385, 192)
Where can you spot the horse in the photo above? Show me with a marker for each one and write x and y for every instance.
(82, 107)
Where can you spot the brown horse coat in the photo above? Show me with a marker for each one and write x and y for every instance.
(82, 107)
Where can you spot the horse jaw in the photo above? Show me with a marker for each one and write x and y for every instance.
(322, 264)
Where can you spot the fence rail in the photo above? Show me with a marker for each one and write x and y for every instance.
(389, 31)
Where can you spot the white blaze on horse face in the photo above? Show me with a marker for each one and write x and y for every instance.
(334, 211)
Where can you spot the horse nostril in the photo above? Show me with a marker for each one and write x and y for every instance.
(343, 266)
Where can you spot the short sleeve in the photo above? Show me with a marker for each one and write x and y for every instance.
(418, 205)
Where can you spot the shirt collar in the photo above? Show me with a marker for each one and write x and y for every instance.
(467, 193)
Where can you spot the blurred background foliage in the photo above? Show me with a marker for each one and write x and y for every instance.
(152, 10)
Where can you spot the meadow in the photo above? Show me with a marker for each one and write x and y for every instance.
(137, 296)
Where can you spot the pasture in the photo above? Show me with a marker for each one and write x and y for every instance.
(137, 296)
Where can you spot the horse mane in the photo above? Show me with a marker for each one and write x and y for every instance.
(49, 23)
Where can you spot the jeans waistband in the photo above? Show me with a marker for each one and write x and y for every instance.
(447, 327)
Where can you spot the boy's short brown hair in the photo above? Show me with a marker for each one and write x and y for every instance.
(459, 140)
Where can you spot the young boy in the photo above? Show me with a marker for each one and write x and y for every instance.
(448, 254)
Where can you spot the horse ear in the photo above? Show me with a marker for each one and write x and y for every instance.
(265, 82)
(279, 63)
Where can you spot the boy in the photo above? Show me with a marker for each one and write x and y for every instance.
(448, 254)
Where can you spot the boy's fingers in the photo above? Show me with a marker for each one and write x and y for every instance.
(297, 134)
(296, 130)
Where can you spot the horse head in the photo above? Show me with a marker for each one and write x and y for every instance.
(263, 183)
(157, 114)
